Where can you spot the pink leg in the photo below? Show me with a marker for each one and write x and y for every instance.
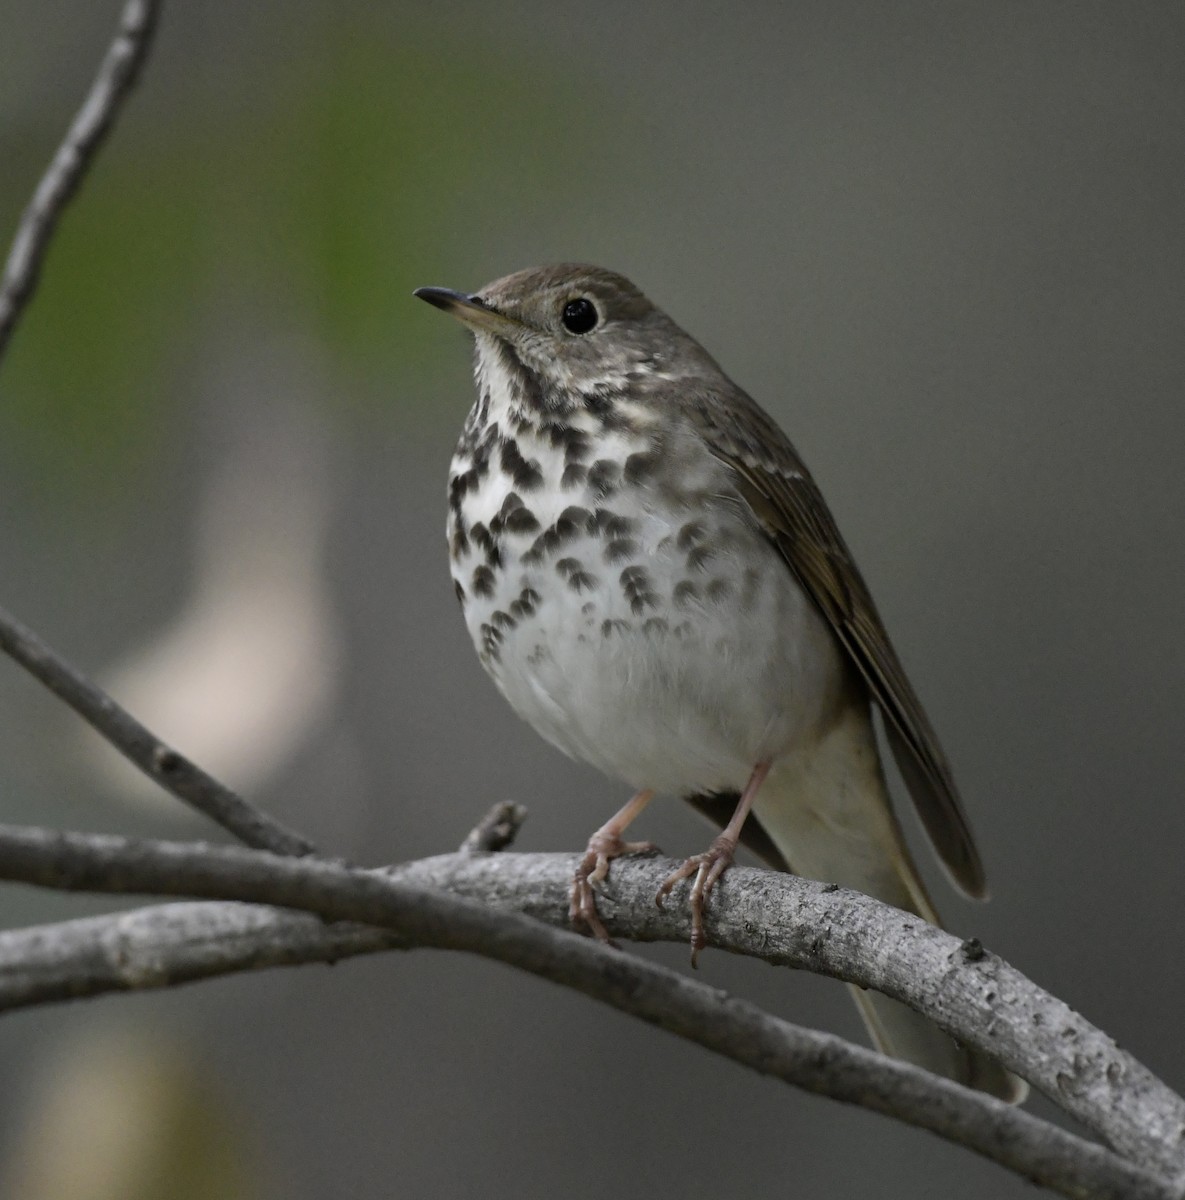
(604, 846)
(709, 866)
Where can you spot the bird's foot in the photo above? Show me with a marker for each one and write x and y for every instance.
(707, 869)
(603, 847)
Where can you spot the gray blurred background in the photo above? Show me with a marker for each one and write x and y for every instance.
(941, 243)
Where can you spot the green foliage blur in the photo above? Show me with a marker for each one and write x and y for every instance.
(320, 186)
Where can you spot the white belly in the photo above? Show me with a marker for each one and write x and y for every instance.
(676, 666)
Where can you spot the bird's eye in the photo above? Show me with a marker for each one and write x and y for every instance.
(579, 316)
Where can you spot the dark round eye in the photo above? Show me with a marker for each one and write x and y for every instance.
(579, 316)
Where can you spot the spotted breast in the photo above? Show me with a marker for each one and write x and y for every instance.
(619, 596)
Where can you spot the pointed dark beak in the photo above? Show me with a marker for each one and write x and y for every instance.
(470, 311)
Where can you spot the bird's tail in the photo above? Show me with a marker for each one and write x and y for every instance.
(829, 817)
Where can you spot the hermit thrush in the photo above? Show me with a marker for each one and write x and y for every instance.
(654, 582)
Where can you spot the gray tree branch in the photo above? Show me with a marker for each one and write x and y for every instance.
(117, 76)
(157, 947)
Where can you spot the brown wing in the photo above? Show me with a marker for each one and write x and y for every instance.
(785, 499)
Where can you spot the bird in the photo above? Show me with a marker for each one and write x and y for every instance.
(653, 580)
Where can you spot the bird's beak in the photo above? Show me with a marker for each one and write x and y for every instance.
(470, 311)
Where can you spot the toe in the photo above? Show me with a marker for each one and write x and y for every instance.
(690, 867)
(599, 872)
(592, 919)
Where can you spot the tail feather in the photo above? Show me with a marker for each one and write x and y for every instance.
(829, 817)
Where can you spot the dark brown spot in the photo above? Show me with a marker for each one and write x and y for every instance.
(640, 465)
(691, 534)
(556, 432)
(489, 544)
(574, 441)
(699, 556)
(635, 583)
(502, 620)
(615, 418)
(481, 462)
(619, 549)
(459, 486)
(541, 547)
(483, 581)
(588, 608)
(571, 521)
(459, 544)
(685, 594)
(459, 590)
(576, 449)
(610, 524)
(608, 628)
(655, 625)
(574, 475)
(482, 536)
(525, 472)
(512, 503)
(719, 589)
(572, 569)
(568, 524)
(598, 401)
(491, 642)
(521, 421)
(604, 476)
(526, 603)
(521, 520)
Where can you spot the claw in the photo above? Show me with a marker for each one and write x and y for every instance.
(709, 866)
(582, 901)
(604, 846)
(707, 869)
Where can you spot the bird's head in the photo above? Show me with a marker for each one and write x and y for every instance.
(576, 330)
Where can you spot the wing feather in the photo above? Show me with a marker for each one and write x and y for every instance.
(786, 501)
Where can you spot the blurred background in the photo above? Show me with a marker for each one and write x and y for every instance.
(941, 243)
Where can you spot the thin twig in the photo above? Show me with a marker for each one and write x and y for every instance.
(173, 771)
(496, 830)
(117, 76)
(681, 1005)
